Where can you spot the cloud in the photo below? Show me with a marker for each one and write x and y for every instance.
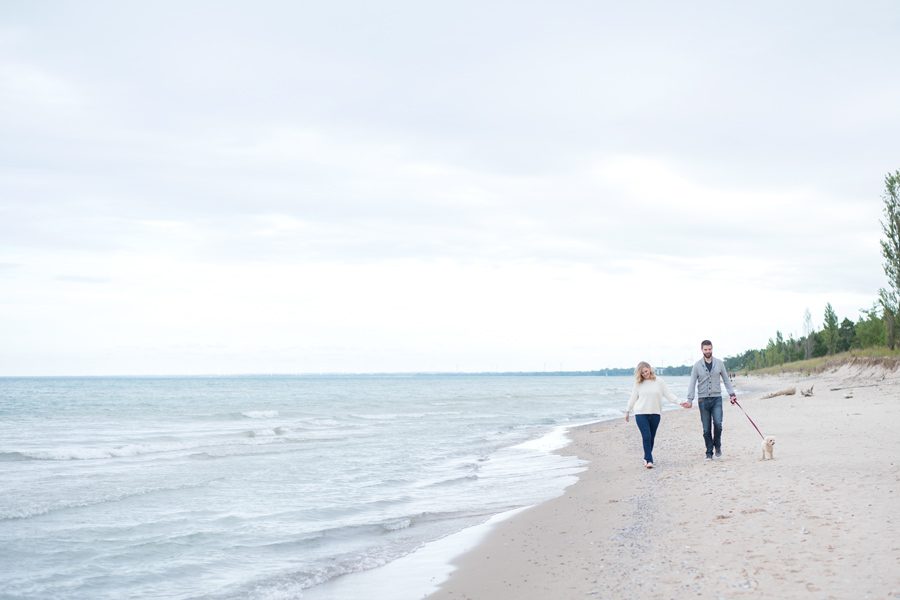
(26, 88)
(305, 195)
(413, 186)
(83, 279)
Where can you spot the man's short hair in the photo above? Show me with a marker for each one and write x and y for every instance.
(705, 343)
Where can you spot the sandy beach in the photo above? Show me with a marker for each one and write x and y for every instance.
(818, 521)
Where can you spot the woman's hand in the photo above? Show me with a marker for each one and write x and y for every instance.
(626, 417)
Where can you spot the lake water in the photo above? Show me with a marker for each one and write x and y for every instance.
(269, 487)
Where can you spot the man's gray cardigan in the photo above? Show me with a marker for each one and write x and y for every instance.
(707, 382)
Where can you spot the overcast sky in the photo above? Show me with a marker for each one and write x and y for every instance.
(288, 187)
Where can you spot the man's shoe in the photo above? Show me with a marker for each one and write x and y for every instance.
(709, 457)
(718, 452)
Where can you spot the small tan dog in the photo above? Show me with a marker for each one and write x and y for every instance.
(768, 448)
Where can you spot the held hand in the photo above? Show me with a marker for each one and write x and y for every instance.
(686, 404)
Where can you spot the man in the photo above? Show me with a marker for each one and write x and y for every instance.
(705, 375)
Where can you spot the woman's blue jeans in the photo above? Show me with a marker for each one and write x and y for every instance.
(711, 417)
(648, 425)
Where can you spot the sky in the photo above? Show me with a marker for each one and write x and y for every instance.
(318, 187)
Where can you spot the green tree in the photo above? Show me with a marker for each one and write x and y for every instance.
(846, 335)
(820, 348)
(830, 329)
(870, 329)
(890, 249)
(792, 350)
(774, 354)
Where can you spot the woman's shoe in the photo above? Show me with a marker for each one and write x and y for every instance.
(649, 465)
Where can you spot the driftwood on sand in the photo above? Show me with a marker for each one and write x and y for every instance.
(850, 387)
(785, 392)
(808, 392)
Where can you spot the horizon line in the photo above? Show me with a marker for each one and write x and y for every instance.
(601, 371)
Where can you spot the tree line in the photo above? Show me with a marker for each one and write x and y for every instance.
(875, 326)
(869, 330)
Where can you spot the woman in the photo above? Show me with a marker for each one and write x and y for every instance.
(646, 402)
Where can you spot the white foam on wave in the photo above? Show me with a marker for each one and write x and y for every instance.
(397, 524)
(247, 438)
(91, 453)
(556, 438)
(413, 576)
(260, 414)
(419, 573)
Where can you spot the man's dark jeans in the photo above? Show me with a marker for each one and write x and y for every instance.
(711, 417)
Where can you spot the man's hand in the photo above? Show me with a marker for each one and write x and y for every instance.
(733, 399)
(686, 404)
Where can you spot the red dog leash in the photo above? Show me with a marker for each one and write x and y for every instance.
(734, 401)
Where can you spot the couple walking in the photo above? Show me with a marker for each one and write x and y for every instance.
(646, 401)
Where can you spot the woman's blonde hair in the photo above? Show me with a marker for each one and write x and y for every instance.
(637, 371)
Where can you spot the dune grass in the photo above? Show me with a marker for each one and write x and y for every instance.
(874, 355)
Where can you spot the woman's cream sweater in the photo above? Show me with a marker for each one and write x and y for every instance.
(646, 397)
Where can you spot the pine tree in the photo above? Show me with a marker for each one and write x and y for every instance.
(830, 329)
(890, 249)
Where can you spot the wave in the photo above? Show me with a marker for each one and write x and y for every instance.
(323, 570)
(242, 450)
(253, 433)
(252, 437)
(293, 585)
(13, 456)
(238, 415)
(30, 511)
(397, 524)
(260, 414)
(402, 416)
(94, 453)
(391, 524)
(452, 481)
(554, 439)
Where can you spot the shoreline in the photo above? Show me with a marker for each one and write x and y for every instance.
(420, 573)
(816, 522)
